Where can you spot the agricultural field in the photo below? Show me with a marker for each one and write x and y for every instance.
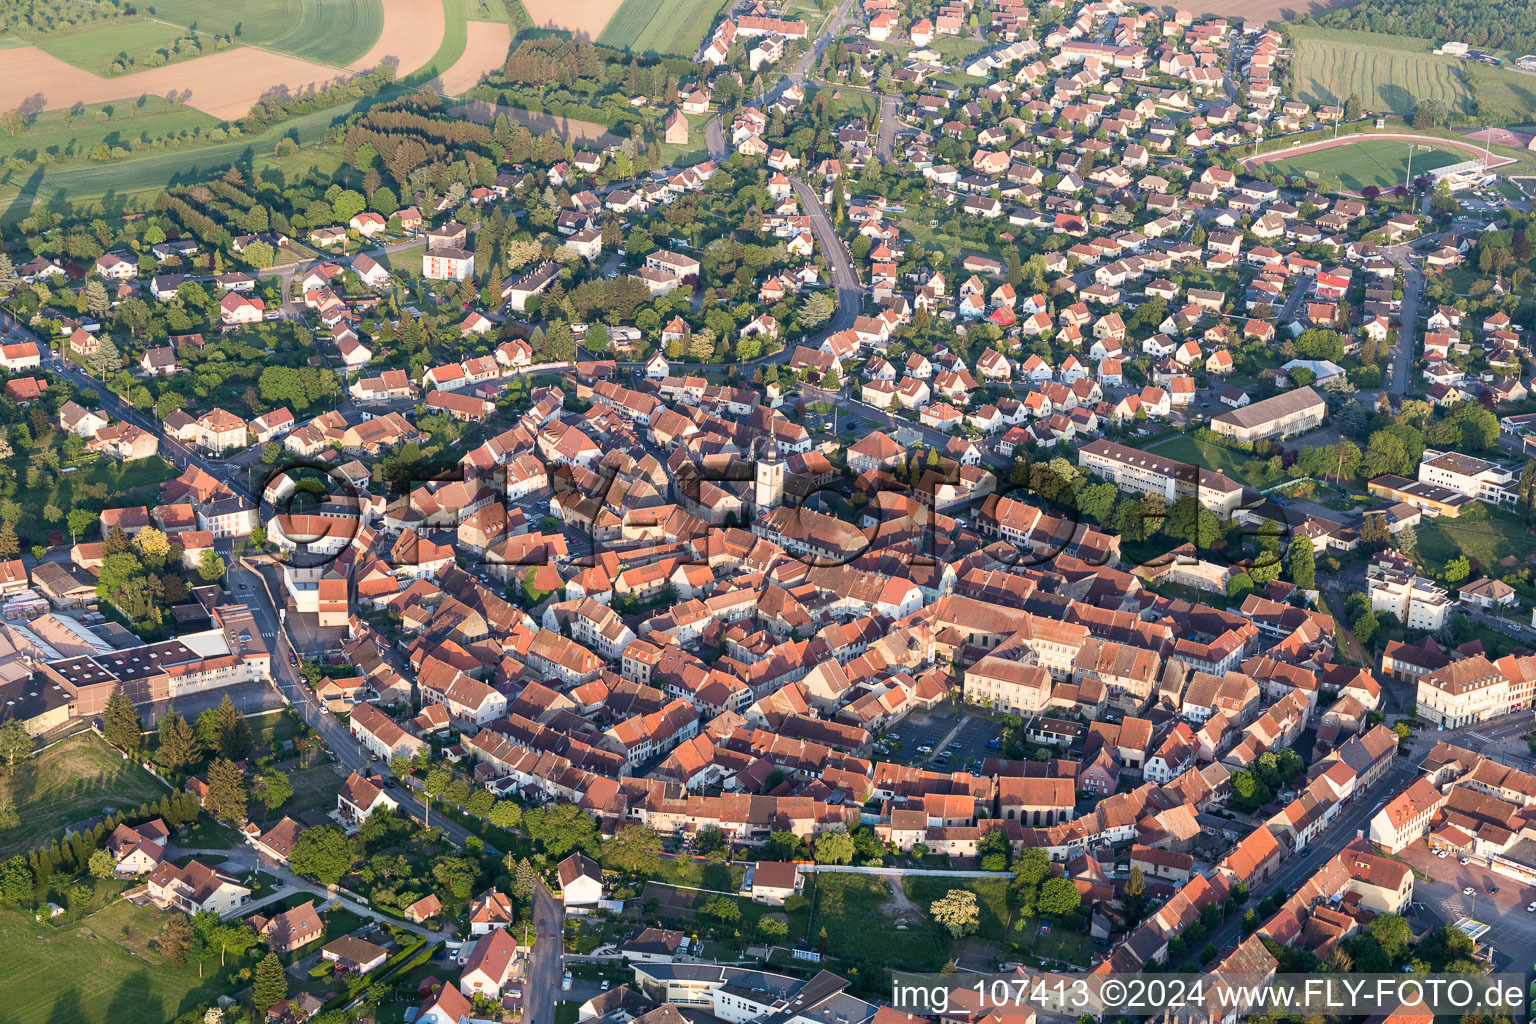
(68, 139)
(68, 783)
(112, 185)
(131, 46)
(1389, 73)
(1380, 163)
(661, 26)
(327, 31)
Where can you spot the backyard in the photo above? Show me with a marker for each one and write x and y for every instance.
(73, 781)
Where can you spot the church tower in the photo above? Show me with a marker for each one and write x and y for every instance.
(769, 491)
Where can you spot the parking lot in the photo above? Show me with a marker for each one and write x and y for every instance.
(1443, 899)
(937, 729)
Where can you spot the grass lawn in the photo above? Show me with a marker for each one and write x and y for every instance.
(666, 154)
(1395, 73)
(1381, 163)
(991, 894)
(134, 483)
(567, 1011)
(855, 910)
(1208, 456)
(1053, 942)
(660, 26)
(1486, 540)
(77, 779)
(95, 50)
(84, 973)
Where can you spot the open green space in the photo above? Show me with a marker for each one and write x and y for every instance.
(70, 782)
(98, 970)
(661, 26)
(122, 49)
(1487, 540)
(67, 139)
(1379, 162)
(113, 184)
(1395, 73)
(991, 895)
(1207, 456)
(327, 31)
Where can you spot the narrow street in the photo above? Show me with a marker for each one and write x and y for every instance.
(544, 964)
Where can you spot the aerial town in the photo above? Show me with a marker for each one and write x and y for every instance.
(679, 512)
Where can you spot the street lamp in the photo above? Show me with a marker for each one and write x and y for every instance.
(1411, 147)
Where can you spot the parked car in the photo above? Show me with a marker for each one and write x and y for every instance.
(1469, 891)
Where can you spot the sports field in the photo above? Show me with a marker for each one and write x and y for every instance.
(661, 26)
(1388, 73)
(1366, 162)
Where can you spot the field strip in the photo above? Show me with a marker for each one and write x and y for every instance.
(1344, 140)
(588, 132)
(585, 20)
(413, 30)
(224, 85)
(484, 51)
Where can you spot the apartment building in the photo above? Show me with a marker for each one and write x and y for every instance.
(1463, 692)
(1395, 587)
(1144, 473)
(1406, 816)
(1465, 474)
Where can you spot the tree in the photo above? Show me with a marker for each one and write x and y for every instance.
(772, 928)
(178, 745)
(505, 814)
(722, 908)
(1457, 569)
(276, 789)
(226, 798)
(120, 722)
(101, 864)
(1301, 563)
(107, 359)
(210, 566)
(958, 911)
(15, 744)
(9, 542)
(80, 520)
(271, 985)
(232, 731)
(1136, 893)
(1059, 896)
(176, 940)
(1393, 934)
(525, 881)
(835, 847)
(1352, 107)
(633, 848)
(321, 852)
(561, 828)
